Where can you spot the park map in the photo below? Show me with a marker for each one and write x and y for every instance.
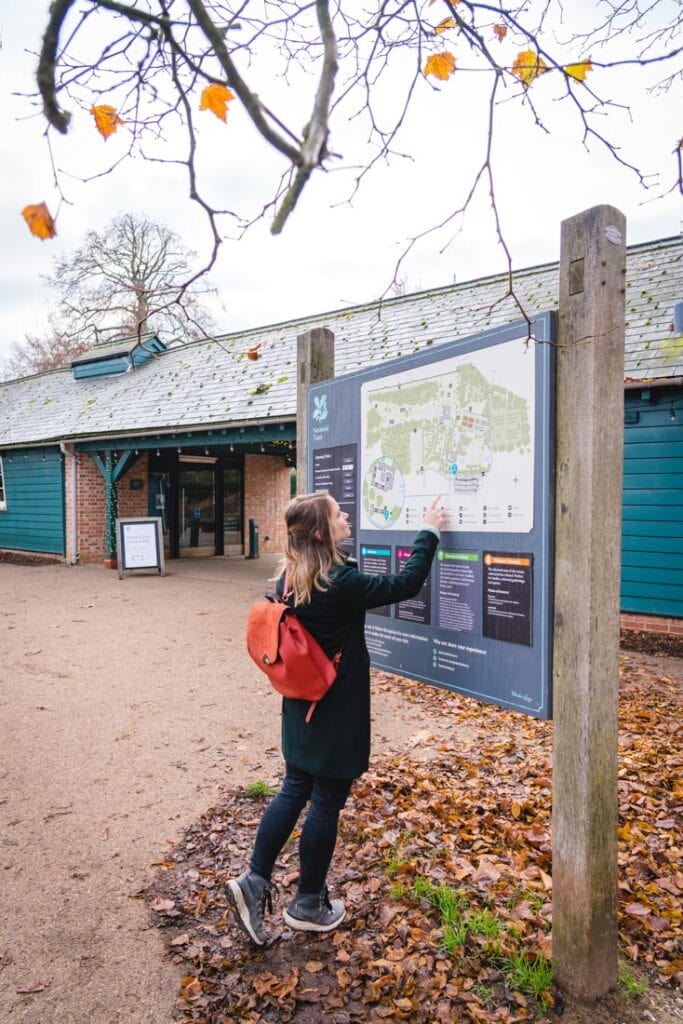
(462, 428)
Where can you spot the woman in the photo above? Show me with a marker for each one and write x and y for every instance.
(323, 756)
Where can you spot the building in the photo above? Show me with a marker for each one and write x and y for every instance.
(203, 435)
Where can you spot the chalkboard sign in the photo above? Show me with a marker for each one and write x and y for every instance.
(140, 545)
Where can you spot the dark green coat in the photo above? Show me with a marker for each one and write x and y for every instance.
(336, 741)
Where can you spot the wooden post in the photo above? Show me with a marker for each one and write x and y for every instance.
(589, 460)
(315, 362)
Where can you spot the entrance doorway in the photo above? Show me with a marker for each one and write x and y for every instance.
(200, 500)
(197, 511)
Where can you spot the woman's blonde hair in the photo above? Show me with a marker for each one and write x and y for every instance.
(310, 551)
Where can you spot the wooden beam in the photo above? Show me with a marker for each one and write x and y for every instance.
(315, 362)
(589, 461)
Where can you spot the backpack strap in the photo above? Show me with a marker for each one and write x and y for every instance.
(286, 592)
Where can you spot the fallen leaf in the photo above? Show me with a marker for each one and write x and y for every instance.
(107, 119)
(253, 353)
(313, 966)
(486, 870)
(527, 66)
(163, 906)
(441, 65)
(423, 736)
(191, 988)
(215, 97)
(637, 910)
(39, 220)
(344, 979)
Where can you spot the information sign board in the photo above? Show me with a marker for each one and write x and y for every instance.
(470, 420)
(140, 545)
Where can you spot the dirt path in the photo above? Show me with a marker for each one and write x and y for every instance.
(124, 707)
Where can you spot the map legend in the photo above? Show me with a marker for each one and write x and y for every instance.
(458, 590)
(376, 561)
(418, 608)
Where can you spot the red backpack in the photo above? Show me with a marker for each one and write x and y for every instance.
(293, 660)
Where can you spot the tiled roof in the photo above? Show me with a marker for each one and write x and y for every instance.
(213, 383)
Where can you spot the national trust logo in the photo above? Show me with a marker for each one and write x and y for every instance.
(320, 408)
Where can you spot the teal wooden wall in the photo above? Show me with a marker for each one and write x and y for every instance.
(34, 490)
(652, 532)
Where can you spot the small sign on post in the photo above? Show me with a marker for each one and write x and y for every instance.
(140, 546)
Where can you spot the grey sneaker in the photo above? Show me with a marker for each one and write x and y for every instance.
(315, 913)
(249, 895)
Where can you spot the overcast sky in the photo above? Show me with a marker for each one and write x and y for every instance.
(332, 254)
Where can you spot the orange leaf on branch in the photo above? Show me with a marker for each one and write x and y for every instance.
(39, 220)
(215, 97)
(107, 119)
(441, 65)
(444, 25)
(579, 71)
(500, 31)
(528, 66)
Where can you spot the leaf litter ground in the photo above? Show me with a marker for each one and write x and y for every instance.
(444, 863)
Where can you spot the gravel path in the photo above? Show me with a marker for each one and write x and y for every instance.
(125, 707)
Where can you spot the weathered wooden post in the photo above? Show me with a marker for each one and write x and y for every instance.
(315, 363)
(589, 459)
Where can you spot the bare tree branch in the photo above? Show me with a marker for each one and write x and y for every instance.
(147, 60)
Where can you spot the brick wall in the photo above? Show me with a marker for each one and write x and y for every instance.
(91, 523)
(266, 492)
(134, 504)
(90, 504)
(652, 623)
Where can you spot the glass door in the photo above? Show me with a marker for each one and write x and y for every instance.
(197, 511)
(232, 510)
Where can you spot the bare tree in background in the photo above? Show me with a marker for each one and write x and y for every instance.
(124, 280)
(153, 65)
(120, 280)
(38, 354)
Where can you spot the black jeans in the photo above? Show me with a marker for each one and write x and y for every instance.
(319, 832)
